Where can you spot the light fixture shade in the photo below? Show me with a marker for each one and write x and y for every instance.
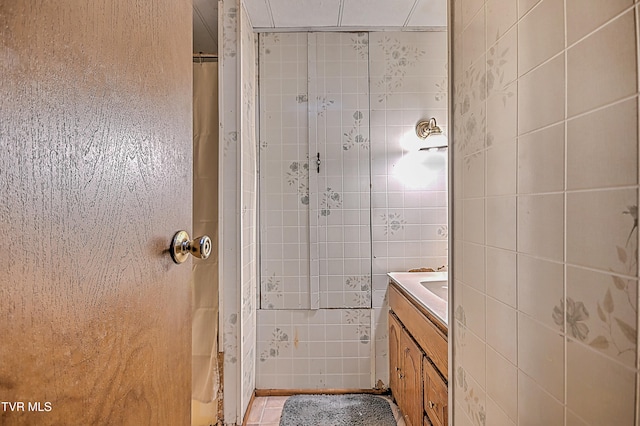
(431, 133)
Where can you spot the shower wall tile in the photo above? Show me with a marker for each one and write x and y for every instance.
(501, 222)
(495, 415)
(473, 304)
(541, 355)
(592, 379)
(535, 405)
(502, 122)
(502, 386)
(501, 323)
(581, 21)
(540, 35)
(545, 117)
(473, 175)
(469, 11)
(501, 275)
(473, 39)
(471, 403)
(592, 81)
(473, 356)
(541, 160)
(541, 96)
(473, 226)
(602, 310)
(603, 231)
(473, 273)
(501, 169)
(524, 6)
(540, 289)
(591, 163)
(541, 225)
(501, 16)
(574, 420)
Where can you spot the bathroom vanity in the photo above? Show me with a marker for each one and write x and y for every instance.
(418, 353)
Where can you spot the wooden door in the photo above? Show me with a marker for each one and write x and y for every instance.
(395, 328)
(412, 387)
(95, 177)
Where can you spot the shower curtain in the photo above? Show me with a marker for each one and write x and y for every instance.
(205, 371)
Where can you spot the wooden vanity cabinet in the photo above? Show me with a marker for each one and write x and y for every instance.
(436, 400)
(417, 357)
(395, 331)
(405, 377)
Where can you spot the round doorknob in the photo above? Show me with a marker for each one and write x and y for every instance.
(182, 245)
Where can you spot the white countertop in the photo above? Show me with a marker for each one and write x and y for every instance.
(410, 282)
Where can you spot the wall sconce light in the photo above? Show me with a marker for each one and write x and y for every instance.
(432, 134)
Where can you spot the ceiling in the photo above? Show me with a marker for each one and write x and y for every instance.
(346, 14)
(339, 15)
(205, 26)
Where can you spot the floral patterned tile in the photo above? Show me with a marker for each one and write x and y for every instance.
(611, 219)
(601, 311)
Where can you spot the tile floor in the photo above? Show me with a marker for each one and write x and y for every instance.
(266, 411)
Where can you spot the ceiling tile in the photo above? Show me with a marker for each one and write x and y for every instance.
(296, 13)
(429, 13)
(259, 13)
(376, 13)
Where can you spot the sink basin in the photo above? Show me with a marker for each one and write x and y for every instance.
(439, 288)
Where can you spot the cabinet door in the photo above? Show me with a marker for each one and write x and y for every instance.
(435, 395)
(411, 380)
(394, 360)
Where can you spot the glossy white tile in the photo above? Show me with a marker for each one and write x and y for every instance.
(603, 67)
(593, 379)
(540, 34)
(603, 156)
(541, 225)
(501, 275)
(583, 20)
(541, 96)
(501, 222)
(541, 160)
(603, 231)
(502, 329)
(540, 289)
(535, 406)
(541, 355)
(502, 387)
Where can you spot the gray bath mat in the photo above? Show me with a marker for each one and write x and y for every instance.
(337, 410)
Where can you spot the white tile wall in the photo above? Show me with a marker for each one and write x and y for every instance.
(229, 223)
(284, 172)
(355, 98)
(314, 349)
(545, 212)
(238, 254)
(340, 192)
